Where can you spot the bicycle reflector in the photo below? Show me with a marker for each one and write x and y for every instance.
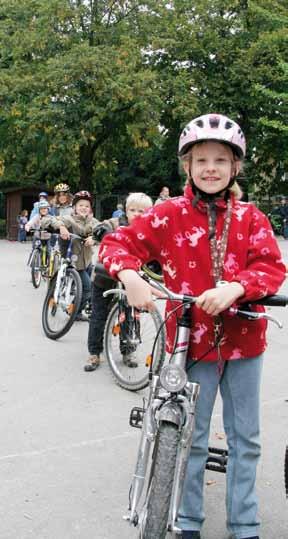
(173, 378)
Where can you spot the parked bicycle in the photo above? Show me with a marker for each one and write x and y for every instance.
(129, 336)
(63, 298)
(43, 260)
(167, 423)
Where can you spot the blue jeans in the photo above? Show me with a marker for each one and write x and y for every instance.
(240, 392)
(86, 288)
(21, 234)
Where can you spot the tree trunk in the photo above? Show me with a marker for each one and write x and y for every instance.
(86, 154)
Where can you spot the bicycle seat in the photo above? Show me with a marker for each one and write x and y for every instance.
(101, 277)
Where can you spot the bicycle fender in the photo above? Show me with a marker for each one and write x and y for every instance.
(172, 413)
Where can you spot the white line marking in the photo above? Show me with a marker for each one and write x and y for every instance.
(84, 443)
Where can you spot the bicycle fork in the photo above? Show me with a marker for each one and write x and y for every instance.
(148, 434)
(59, 278)
(188, 407)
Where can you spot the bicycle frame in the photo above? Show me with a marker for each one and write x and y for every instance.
(61, 274)
(177, 408)
(41, 246)
(174, 405)
(65, 263)
(127, 315)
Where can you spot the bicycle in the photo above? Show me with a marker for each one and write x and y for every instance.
(130, 332)
(43, 263)
(63, 298)
(167, 423)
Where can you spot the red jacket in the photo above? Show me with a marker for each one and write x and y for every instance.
(176, 234)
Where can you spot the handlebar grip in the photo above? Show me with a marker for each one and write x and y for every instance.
(272, 301)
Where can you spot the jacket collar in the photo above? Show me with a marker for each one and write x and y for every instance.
(220, 202)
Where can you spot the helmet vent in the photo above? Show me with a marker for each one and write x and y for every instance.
(200, 123)
(228, 125)
(214, 122)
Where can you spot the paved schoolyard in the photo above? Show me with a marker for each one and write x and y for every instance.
(67, 452)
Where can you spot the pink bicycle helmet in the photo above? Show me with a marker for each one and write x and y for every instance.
(213, 127)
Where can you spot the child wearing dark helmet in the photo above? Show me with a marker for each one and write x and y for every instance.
(82, 223)
(222, 250)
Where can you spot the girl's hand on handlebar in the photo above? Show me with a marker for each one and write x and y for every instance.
(64, 232)
(216, 300)
(139, 293)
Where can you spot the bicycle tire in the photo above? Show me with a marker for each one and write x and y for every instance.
(49, 304)
(36, 268)
(156, 511)
(127, 377)
(286, 471)
(156, 276)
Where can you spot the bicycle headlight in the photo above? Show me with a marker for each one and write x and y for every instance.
(173, 378)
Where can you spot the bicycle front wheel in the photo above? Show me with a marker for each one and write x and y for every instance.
(36, 268)
(58, 317)
(134, 377)
(156, 512)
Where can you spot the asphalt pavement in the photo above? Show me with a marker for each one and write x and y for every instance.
(67, 452)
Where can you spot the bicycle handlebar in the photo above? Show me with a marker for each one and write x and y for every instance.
(242, 310)
(275, 300)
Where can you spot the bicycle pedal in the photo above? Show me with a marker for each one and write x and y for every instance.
(136, 417)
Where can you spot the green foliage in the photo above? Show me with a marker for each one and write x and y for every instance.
(96, 93)
(2, 228)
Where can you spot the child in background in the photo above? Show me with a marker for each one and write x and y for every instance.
(223, 251)
(22, 220)
(136, 204)
(82, 223)
(43, 196)
(34, 222)
(61, 205)
(62, 202)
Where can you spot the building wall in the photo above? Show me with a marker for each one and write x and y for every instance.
(13, 208)
(16, 201)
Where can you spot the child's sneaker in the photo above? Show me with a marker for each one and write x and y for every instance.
(93, 363)
(129, 360)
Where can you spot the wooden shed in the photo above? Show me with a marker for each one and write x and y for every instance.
(16, 200)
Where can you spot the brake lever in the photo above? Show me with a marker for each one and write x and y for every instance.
(250, 315)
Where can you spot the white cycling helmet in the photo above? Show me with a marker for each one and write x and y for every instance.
(43, 204)
(216, 127)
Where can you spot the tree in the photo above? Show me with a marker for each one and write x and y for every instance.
(70, 90)
(97, 92)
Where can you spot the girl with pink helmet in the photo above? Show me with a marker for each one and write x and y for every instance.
(212, 245)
